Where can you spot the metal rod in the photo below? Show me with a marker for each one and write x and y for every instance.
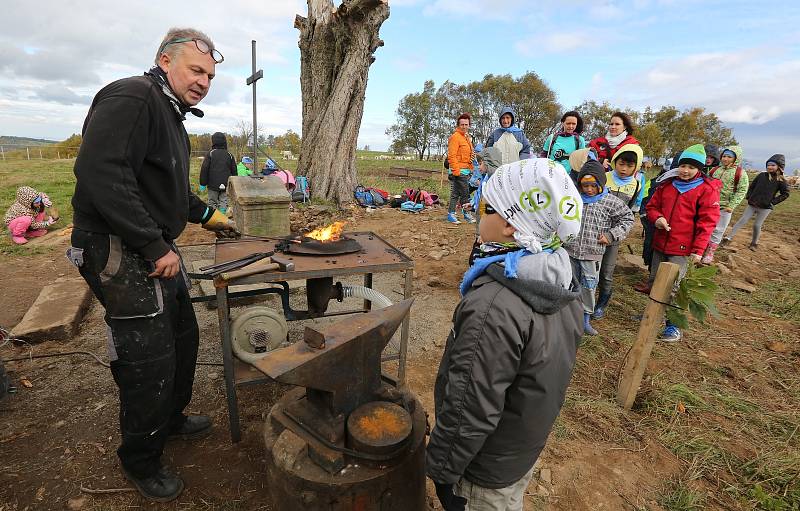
(401, 365)
(223, 314)
(255, 123)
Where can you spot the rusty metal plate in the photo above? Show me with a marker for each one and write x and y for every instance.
(376, 255)
(378, 427)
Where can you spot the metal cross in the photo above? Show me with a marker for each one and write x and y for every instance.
(251, 80)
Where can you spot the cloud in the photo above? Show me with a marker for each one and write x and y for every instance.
(553, 42)
(751, 85)
(483, 10)
(55, 55)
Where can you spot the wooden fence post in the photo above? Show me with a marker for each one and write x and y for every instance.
(635, 364)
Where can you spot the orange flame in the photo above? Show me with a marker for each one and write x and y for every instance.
(327, 233)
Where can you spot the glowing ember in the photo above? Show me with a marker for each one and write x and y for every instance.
(327, 233)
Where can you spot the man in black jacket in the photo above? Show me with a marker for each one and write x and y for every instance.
(218, 166)
(132, 199)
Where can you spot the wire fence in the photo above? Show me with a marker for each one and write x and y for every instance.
(36, 152)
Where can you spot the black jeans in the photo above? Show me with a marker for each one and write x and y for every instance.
(153, 342)
(459, 192)
(649, 231)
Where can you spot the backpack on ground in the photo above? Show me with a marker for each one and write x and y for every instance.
(302, 192)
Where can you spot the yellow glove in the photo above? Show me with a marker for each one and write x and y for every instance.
(220, 223)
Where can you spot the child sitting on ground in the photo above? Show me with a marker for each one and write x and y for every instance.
(684, 210)
(625, 182)
(26, 217)
(605, 220)
(510, 354)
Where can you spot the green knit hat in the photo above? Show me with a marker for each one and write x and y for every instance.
(694, 155)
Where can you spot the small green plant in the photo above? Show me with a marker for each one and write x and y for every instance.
(676, 496)
(695, 295)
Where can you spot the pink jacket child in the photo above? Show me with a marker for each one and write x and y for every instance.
(26, 217)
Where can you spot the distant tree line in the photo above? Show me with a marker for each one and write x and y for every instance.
(425, 120)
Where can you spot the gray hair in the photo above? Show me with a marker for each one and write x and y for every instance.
(180, 33)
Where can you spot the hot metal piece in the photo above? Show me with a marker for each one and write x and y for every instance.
(378, 427)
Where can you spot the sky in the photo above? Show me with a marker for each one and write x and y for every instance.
(739, 59)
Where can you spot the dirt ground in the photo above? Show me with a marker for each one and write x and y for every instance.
(58, 436)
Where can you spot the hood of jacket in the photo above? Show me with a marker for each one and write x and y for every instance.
(595, 169)
(25, 196)
(779, 159)
(737, 150)
(508, 110)
(713, 151)
(218, 141)
(633, 148)
(542, 296)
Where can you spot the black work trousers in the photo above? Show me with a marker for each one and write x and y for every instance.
(152, 342)
(459, 192)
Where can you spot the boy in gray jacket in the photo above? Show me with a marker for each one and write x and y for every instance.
(510, 355)
(606, 220)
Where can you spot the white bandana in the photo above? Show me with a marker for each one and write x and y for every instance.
(538, 198)
(615, 141)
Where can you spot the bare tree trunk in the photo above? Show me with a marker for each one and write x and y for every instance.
(336, 47)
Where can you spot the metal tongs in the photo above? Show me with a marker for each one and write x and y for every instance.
(216, 269)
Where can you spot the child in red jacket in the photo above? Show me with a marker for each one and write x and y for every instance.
(684, 212)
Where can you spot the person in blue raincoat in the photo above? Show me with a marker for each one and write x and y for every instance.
(510, 139)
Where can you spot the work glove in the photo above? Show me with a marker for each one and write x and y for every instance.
(449, 500)
(221, 224)
(221, 187)
(202, 188)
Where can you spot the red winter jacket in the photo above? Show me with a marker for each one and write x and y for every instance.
(691, 216)
(605, 151)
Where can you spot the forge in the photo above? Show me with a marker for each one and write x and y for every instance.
(347, 437)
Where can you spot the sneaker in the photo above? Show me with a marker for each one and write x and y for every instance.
(469, 218)
(753, 246)
(193, 428)
(724, 241)
(599, 311)
(671, 334)
(451, 217)
(162, 486)
(19, 240)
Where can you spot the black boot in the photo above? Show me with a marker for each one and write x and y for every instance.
(193, 428)
(602, 304)
(162, 486)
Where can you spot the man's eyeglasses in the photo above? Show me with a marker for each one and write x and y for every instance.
(202, 47)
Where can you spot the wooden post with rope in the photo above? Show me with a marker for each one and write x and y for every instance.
(636, 361)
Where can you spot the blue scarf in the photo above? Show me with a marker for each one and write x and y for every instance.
(594, 198)
(685, 186)
(511, 129)
(621, 181)
(511, 260)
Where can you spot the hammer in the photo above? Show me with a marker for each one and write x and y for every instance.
(262, 266)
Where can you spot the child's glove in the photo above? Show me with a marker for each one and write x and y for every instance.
(202, 188)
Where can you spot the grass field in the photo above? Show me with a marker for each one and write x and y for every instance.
(55, 178)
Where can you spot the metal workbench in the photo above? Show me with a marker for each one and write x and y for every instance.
(376, 256)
